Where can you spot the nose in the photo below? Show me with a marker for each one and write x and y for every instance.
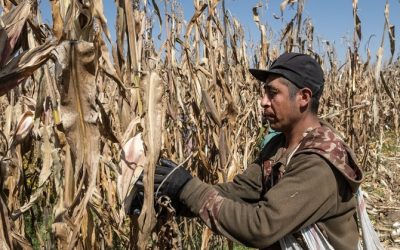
(265, 101)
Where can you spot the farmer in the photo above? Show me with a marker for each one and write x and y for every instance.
(305, 177)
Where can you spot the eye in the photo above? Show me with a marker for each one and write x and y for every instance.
(271, 92)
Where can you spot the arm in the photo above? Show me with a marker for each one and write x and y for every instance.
(303, 196)
(245, 187)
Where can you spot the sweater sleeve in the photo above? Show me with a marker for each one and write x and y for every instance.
(302, 197)
(245, 187)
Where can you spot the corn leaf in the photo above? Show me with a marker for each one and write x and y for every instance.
(22, 66)
(152, 89)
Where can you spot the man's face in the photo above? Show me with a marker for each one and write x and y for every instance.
(279, 108)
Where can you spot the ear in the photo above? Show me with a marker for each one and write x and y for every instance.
(304, 97)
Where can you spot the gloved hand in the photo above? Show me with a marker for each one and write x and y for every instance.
(169, 179)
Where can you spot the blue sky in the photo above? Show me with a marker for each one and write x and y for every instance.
(332, 20)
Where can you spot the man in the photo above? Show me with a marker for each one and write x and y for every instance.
(304, 176)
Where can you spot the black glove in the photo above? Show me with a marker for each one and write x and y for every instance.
(169, 179)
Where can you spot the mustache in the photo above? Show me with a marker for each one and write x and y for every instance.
(267, 114)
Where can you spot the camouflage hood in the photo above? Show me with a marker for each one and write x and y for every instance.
(325, 142)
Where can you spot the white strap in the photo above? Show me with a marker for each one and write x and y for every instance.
(370, 237)
(313, 238)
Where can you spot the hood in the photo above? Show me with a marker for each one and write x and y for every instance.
(326, 142)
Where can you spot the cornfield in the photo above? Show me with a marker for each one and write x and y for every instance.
(82, 116)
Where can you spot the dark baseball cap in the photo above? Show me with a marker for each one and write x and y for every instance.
(302, 70)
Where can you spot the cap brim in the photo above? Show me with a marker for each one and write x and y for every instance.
(262, 75)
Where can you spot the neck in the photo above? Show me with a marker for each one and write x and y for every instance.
(295, 134)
